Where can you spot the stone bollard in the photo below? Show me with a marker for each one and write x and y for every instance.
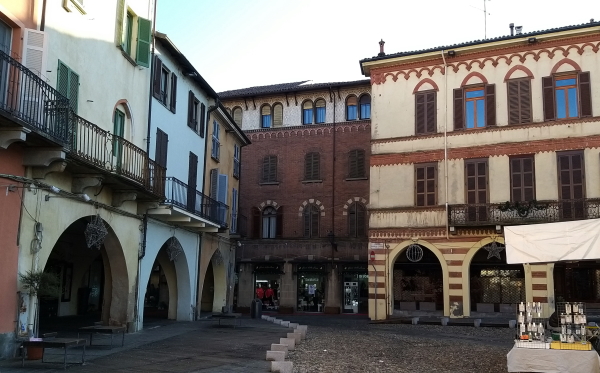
(282, 366)
(285, 323)
(302, 336)
(264, 317)
(269, 318)
(275, 355)
(289, 342)
(279, 347)
(512, 324)
(293, 325)
(296, 336)
(477, 323)
(415, 320)
(277, 322)
(302, 329)
(445, 321)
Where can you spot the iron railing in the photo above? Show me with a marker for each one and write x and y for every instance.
(33, 102)
(114, 154)
(523, 212)
(179, 194)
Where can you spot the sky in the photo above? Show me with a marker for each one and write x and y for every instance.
(244, 43)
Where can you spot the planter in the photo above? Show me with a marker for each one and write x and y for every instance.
(35, 353)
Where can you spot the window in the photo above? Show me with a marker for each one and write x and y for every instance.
(365, 107)
(218, 192)
(311, 221)
(519, 101)
(236, 161)
(269, 169)
(311, 166)
(67, 84)
(476, 182)
(118, 132)
(475, 107)
(320, 111)
(522, 179)
(237, 116)
(234, 211)
(192, 183)
(351, 108)
(162, 142)
(196, 114)
(269, 223)
(265, 116)
(277, 115)
(357, 220)
(567, 96)
(426, 184)
(425, 112)
(134, 35)
(571, 184)
(216, 145)
(307, 112)
(71, 5)
(356, 164)
(164, 85)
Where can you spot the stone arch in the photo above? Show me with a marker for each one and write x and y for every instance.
(268, 203)
(518, 67)
(311, 201)
(564, 61)
(471, 75)
(426, 81)
(351, 201)
(394, 254)
(215, 270)
(128, 113)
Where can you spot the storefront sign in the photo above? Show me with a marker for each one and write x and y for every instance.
(268, 268)
(311, 268)
(354, 267)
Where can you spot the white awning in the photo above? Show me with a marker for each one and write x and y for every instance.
(553, 242)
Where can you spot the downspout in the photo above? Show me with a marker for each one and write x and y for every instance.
(150, 93)
(333, 245)
(446, 140)
(43, 18)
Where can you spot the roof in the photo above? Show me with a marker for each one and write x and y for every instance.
(477, 42)
(188, 69)
(286, 87)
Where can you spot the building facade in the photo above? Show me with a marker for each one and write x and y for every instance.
(305, 192)
(469, 139)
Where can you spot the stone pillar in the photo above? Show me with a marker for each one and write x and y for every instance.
(288, 289)
(333, 292)
(245, 287)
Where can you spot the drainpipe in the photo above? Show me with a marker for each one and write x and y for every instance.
(43, 18)
(150, 95)
(446, 140)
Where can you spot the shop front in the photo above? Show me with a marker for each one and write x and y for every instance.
(311, 287)
(355, 291)
(267, 284)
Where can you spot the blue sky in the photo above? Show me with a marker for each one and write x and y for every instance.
(243, 43)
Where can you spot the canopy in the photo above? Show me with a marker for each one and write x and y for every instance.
(553, 242)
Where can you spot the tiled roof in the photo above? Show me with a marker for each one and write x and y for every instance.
(286, 87)
(475, 42)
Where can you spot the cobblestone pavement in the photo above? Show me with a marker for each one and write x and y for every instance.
(347, 344)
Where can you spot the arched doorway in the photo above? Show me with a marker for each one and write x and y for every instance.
(93, 280)
(215, 286)
(495, 285)
(577, 281)
(418, 280)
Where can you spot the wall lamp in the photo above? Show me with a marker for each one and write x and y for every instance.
(452, 230)
(531, 40)
(451, 53)
(498, 229)
(84, 197)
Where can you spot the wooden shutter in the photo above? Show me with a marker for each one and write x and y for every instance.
(173, 93)
(157, 78)
(191, 114)
(431, 112)
(237, 116)
(192, 182)
(144, 39)
(311, 166)
(314, 221)
(585, 94)
(255, 222)
(548, 93)
(361, 220)
(202, 119)
(352, 220)
(162, 143)
(360, 163)
(279, 222)
(277, 115)
(476, 181)
(420, 115)
(571, 184)
(522, 179)
(214, 183)
(490, 105)
(306, 221)
(458, 109)
(34, 51)
(62, 82)
(426, 185)
(425, 112)
(525, 100)
(73, 90)
(351, 101)
(514, 112)
(269, 173)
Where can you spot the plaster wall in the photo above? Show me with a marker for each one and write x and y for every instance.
(222, 270)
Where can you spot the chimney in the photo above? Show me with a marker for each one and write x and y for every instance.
(591, 20)
(381, 44)
(512, 29)
(518, 30)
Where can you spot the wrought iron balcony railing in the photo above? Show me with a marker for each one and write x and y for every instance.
(28, 99)
(179, 194)
(523, 212)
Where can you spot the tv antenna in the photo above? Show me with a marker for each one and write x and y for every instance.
(485, 14)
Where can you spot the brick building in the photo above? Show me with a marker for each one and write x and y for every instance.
(304, 192)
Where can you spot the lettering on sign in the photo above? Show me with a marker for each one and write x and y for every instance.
(376, 246)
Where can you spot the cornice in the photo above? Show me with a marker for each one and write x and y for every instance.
(262, 133)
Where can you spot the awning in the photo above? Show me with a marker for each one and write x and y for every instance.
(553, 242)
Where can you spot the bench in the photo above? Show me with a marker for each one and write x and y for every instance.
(228, 316)
(52, 342)
(103, 329)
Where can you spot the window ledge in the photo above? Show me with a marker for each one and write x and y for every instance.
(356, 178)
(311, 181)
(269, 183)
(215, 159)
(127, 57)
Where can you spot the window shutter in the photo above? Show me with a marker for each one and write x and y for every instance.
(360, 163)
(237, 116)
(214, 183)
(273, 168)
(314, 220)
(119, 22)
(585, 94)
(351, 101)
(34, 47)
(162, 143)
(157, 78)
(277, 115)
(360, 221)
(548, 93)
(525, 100)
(191, 116)
(420, 126)
(306, 218)
(514, 115)
(458, 109)
(222, 189)
(490, 105)
(62, 82)
(352, 221)
(143, 42)
(73, 90)
(173, 92)
(279, 222)
(202, 119)
(255, 222)
(192, 181)
(431, 112)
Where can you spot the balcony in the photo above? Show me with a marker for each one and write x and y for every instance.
(187, 207)
(533, 212)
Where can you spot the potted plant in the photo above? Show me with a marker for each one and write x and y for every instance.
(38, 284)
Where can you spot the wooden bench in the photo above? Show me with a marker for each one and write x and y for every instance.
(50, 341)
(228, 316)
(103, 329)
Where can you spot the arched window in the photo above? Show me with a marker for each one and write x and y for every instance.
(311, 221)
(320, 111)
(269, 169)
(237, 116)
(351, 108)
(265, 116)
(307, 112)
(311, 166)
(277, 115)
(365, 107)
(357, 220)
(269, 222)
(356, 164)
